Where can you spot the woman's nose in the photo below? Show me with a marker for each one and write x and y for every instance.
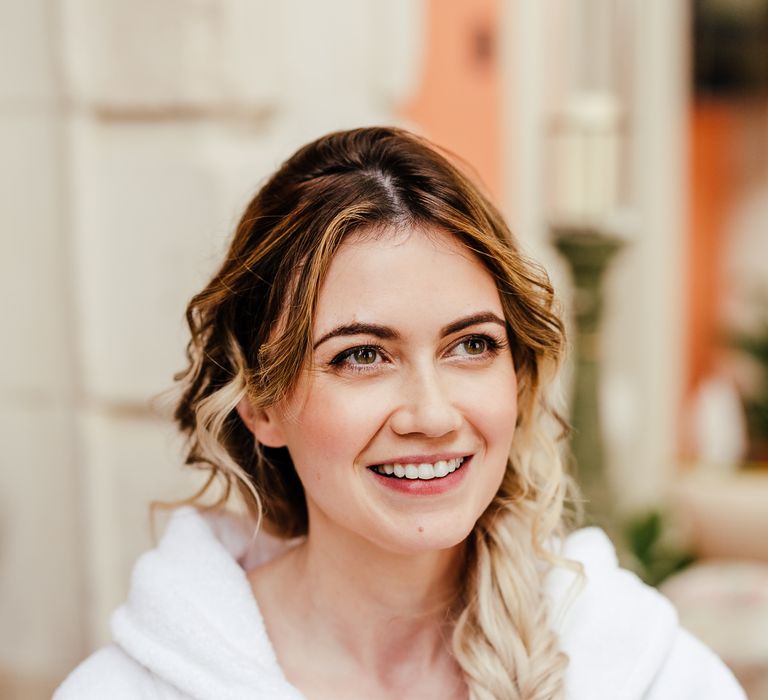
(425, 407)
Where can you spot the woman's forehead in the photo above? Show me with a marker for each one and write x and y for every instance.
(404, 274)
(387, 239)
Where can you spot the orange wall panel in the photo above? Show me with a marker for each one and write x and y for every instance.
(458, 102)
(712, 178)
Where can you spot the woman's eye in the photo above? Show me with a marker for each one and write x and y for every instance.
(475, 346)
(364, 356)
(355, 358)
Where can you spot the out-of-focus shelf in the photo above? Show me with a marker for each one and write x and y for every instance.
(727, 514)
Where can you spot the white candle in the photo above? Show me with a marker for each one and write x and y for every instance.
(586, 141)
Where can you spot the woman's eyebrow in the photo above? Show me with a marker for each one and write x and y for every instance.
(473, 320)
(387, 333)
(383, 332)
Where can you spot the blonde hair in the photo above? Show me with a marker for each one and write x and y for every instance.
(244, 345)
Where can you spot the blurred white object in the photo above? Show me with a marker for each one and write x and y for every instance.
(623, 223)
(725, 604)
(746, 258)
(726, 516)
(586, 142)
(618, 410)
(719, 426)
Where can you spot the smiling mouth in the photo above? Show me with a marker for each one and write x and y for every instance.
(424, 471)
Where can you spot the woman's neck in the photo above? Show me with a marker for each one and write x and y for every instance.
(364, 591)
(355, 607)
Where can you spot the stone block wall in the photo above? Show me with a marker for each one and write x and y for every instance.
(132, 136)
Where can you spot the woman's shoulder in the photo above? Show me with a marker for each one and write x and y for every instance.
(693, 672)
(190, 626)
(111, 673)
(622, 636)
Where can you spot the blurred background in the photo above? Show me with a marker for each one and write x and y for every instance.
(625, 140)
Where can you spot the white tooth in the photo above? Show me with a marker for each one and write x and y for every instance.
(399, 470)
(389, 468)
(451, 465)
(426, 471)
(411, 471)
(441, 468)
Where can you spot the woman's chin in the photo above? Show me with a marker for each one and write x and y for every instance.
(423, 537)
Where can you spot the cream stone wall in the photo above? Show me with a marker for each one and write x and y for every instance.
(132, 135)
(41, 557)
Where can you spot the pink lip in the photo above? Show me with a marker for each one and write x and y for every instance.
(419, 487)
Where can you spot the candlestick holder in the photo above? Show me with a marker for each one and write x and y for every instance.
(588, 252)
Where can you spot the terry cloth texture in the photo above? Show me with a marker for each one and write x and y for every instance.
(191, 627)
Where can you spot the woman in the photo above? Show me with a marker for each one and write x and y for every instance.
(368, 371)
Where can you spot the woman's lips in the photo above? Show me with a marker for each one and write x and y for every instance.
(424, 470)
(422, 477)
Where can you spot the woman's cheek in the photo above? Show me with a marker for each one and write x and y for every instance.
(340, 419)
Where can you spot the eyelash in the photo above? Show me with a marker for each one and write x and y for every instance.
(493, 347)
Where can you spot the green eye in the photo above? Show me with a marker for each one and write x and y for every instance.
(364, 356)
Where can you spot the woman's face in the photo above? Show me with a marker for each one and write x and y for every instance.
(401, 430)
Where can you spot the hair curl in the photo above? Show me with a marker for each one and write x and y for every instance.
(251, 335)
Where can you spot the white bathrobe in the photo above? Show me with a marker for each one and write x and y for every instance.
(191, 628)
